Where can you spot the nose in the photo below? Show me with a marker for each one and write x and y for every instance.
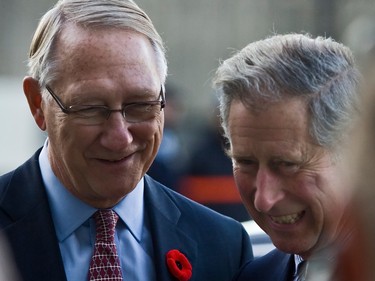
(269, 190)
(116, 134)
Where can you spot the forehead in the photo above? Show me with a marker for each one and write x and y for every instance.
(88, 55)
(283, 125)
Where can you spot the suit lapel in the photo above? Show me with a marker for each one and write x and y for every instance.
(30, 230)
(164, 217)
(275, 266)
(35, 247)
(287, 268)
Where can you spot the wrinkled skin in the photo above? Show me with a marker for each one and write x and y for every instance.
(100, 164)
(291, 186)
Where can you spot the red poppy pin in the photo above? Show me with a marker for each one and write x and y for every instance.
(178, 265)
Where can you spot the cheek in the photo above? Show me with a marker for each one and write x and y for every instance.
(53, 121)
(73, 141)
(332, 193)
(245, 185)
(152, 135)
(158, 129)
(58, 133)
(334, 202)
(327, 202)
(60, 127)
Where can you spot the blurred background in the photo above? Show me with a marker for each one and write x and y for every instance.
(198, 34)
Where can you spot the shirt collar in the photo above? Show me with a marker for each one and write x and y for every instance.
(297, 260)
(69, 213)
(131, 210)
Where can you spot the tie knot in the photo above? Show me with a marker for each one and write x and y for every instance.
(105, 221)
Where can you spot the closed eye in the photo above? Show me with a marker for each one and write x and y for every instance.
(286, 167)
(246, 165)
(89, 111)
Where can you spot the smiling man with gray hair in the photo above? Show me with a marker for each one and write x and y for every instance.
(287, 105)
(82, 207)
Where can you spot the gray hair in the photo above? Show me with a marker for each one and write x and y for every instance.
(88, 13)
(318, 70)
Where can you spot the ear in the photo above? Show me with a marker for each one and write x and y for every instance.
(33, 95)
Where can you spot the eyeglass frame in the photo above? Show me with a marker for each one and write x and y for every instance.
(67, 109)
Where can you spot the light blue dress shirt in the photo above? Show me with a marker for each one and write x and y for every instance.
(75, 229)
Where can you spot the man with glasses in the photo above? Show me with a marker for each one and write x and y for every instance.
(83, 208)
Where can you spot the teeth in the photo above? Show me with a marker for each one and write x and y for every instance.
(288, 219)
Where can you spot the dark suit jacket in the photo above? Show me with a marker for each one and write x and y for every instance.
(216, 246)
(274, 266)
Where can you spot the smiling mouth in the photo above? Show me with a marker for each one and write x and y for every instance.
(288, 219)
(114, 161)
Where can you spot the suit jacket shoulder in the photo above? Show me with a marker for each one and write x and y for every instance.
(274, 266)
(26, 222)
(216, 245)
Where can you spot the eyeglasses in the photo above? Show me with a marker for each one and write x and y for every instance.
(135, 112)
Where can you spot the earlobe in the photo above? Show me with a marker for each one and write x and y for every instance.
(33, 95)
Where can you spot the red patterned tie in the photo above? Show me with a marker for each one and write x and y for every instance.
(105, 263)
